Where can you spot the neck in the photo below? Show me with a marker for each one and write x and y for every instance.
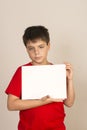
(44, 63)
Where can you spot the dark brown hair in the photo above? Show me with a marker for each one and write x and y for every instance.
(36, 32)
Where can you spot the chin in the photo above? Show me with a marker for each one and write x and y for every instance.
(38, 62)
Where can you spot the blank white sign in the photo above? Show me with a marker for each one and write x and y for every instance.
(39, 81)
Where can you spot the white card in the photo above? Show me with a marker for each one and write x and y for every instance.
(39, 81)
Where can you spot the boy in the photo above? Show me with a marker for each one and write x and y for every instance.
(45, 113)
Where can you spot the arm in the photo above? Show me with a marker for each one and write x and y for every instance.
(15, 103)
(70, 88)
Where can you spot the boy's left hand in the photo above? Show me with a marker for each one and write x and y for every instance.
(69, 71)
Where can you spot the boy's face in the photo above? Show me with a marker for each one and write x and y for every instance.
(37, 51)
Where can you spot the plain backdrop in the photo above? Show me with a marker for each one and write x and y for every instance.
(67, 24)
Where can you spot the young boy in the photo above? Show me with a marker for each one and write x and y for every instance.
(45, 113)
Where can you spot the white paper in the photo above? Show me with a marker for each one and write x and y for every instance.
(39, 81)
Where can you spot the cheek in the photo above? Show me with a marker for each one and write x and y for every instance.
(30, 54)
(45, 51)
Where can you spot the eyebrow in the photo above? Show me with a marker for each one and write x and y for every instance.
(38, 45)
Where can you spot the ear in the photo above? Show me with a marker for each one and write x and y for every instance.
(26, 49)
(49, 45)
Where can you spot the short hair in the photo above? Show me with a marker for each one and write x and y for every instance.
(36, 32)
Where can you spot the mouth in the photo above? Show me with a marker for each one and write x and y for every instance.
(38, 58)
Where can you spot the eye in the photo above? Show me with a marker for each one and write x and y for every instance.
(30, 48)
(41, 46)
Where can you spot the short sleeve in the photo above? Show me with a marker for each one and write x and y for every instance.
(14, 86)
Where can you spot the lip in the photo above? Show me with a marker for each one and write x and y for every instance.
(37, 58)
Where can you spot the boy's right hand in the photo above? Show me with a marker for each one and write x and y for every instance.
(48, 98)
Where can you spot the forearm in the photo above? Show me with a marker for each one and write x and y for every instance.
(70, 93)
(18, 104)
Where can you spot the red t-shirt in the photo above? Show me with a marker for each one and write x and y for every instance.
(46, 117)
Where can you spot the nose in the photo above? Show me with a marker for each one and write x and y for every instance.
(36, 51)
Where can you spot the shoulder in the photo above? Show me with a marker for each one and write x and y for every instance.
(19, 68)
(28, 64)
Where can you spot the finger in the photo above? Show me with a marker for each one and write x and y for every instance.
(45, 97)
(58, 100)
(67, 63)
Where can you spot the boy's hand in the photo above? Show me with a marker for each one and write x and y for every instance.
(45, 97)
(48, 98)
(56, 100)
(69, 71)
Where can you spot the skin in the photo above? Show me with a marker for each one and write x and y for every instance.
(38, 51)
